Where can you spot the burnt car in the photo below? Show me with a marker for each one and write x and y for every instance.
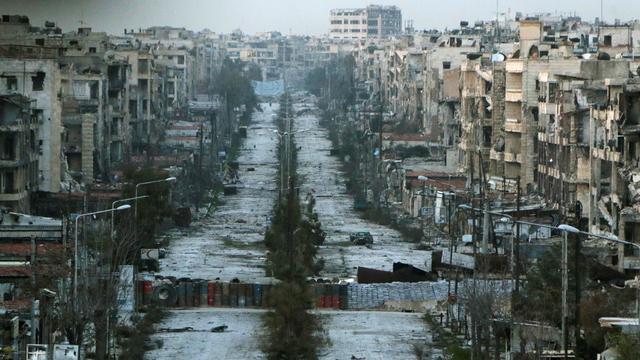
(361, 238)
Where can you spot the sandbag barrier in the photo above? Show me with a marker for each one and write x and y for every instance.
(188, 293)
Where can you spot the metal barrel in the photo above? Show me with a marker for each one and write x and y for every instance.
(233, 294)
(241, 295)
(217, 301)
(317, 294)
(225, 294)
(335, 296)
(182, 291)
(327, 296)
(204, 293)
(211, 294)
(257, 295)
(196, 293)
(188, 296)
(147, 291)
(248, 295)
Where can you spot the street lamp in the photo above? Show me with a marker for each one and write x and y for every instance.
(566, 229)
(113, 206)
(75, 265)
(286, 152)
(169, 179)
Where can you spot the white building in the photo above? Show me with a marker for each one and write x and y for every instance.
(372, 21)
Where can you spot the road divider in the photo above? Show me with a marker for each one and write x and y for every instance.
(192, 293)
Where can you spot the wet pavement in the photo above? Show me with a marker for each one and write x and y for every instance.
(363, 334)
(228, 244)
(321, 173)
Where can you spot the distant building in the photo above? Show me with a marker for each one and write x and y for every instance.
(373, 21)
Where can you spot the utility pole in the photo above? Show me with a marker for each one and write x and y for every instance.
(34, 301)
(577, 281)
(516, 242)
(214, 143)
(565, 285)
(473, 245)
(200, 166)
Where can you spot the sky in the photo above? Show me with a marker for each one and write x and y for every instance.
(287, 16)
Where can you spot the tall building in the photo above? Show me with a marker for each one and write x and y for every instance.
(373, 21)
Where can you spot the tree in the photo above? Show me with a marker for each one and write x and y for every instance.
(234, 84)
(152, 209)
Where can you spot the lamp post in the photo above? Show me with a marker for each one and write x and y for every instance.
(113, 206)
(287, 155)
(75, 265)
(566, 229)
(135, 204)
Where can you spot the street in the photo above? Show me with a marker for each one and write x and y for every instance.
(225, 246)
(322, 174)
(370, 335)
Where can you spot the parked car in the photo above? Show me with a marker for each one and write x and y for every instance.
(361, 238)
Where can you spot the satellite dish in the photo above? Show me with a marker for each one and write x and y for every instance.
(498, 57)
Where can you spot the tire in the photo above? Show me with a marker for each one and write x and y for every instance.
(164, 295)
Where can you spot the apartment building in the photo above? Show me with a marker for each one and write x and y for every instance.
(37, 77)
(19, 152)
(357, 24)
(97, 99)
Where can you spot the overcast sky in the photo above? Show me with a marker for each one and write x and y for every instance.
(295, 16)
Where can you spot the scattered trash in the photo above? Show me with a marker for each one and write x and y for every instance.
(219, 329)
(177, 330)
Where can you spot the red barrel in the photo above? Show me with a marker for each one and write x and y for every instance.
(335, 296)
(147, 292)
(211, 294)
(218, 294)
(317, 292)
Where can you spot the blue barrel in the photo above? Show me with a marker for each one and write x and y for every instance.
(189, 294)
(225, 294)
(257, 295)
(196, 293)
(182, 291)
(241, 295)
(233, 294)
(248, 295)
(204, 293)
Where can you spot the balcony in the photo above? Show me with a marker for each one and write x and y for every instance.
(513, 95)
(606, 115)
(546, 108)
(496, 155)
(6, 197)
(543, 169)
(511, 125)
(512, 157)
(606, 154)
(514, 66)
